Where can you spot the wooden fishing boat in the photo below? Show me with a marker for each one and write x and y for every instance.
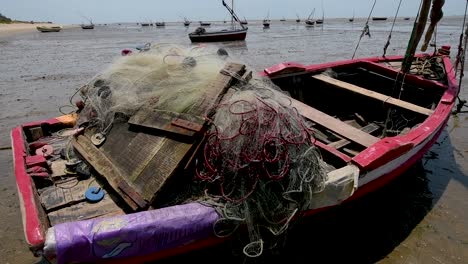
(346, 101)
(49, 28)
(369, 121)
(379, 18)
(232, 34)
(88, 26)
(160, 24)
(205, 24)
(266, 23)
(309, 21)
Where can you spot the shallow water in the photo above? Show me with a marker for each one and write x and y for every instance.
(420, 218)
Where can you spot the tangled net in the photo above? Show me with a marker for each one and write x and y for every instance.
(260, 164)
(165, 77)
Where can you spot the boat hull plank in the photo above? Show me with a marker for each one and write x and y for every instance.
(384, 98)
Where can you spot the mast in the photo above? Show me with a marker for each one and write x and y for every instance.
(233, 15)
(232, 19)
(418, 30)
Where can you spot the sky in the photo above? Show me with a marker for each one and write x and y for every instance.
(111, 11)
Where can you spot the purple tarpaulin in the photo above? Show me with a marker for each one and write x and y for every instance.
(133, 234)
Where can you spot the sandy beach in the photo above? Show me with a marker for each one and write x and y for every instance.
(9, 29)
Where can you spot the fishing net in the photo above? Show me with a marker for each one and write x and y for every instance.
(166, 77)
(260, 164)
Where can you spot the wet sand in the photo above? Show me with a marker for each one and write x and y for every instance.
(15, 28)
(420, 218)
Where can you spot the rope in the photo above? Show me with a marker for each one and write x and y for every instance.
(461, 51)
(391, 30)
(365, 30)
(461, 61)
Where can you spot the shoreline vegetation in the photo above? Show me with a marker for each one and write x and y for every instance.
(9, 26)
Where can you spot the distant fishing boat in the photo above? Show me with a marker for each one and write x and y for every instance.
(49, 29)
(283, 19)
(309, 21)
(205, 24)
(244, 22)
(186, 22)
(379, 18)
(406, 18)
(266, 21)
(352, 19)
(89, 26)
(146, 24)
(232, 34)
(160, 24)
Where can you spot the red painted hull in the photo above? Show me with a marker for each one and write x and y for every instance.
(219, 36)
(379, 163)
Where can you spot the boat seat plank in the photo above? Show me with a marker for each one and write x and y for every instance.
(372, 127)
(341, 128)
(85, 210)
(62, 194)
(378, 96)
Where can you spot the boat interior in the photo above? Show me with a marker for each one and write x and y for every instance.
(356, 105)
(346, 108)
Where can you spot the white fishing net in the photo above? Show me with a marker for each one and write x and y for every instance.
(166, 77)
(260, 163)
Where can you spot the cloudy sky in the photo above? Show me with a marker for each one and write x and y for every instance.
(108, 11)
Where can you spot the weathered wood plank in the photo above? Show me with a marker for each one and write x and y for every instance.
(103, 166)
(335, 125)
(62, 194)
(166, 121)
(85, 210)
(378, 96)
(162, 167)
(343, 142)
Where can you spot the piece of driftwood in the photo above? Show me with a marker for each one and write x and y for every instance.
(139, 157)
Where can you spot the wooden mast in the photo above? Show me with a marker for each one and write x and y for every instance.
(418, 30)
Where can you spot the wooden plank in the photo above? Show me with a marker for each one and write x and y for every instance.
(163, 165)
(84, 210)
(63, 194)
(103, 166)
(166, 121)
(335, 125)
(343, 142)
(378, 96)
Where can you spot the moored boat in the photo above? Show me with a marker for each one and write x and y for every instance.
(379, 18)
(231, 34)
(49, 28)
(88, 26)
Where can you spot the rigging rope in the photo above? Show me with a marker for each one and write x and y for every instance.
(365, 30)
(391, 30)
(461, 60)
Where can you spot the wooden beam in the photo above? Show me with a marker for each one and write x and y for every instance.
(335, 125)
(378, 96)
(343, 142)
